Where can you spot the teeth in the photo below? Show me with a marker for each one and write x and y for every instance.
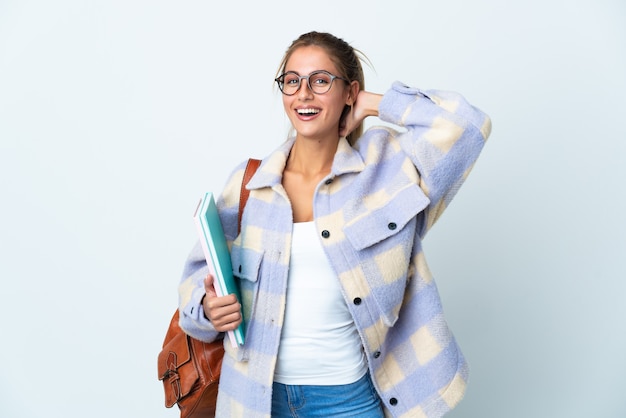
(308, 111)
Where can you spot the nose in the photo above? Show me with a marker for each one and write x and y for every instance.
(303, 89)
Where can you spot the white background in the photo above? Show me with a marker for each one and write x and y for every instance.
(115, 116)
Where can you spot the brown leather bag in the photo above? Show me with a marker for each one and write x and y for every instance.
(190, 369)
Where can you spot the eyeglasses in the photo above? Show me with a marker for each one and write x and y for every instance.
(319, 82)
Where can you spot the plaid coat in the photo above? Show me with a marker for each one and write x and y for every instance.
(371, 212)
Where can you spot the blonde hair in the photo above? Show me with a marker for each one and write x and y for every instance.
(346, 58)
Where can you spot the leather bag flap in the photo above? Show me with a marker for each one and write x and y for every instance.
(175, 365)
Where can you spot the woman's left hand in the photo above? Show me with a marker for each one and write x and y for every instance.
(366, 104)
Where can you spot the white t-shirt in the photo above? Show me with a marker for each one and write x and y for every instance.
(319, 344)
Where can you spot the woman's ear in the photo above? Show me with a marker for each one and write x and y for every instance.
(352, 93)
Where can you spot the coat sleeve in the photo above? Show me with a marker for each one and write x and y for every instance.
(191, 288)
(443, 138)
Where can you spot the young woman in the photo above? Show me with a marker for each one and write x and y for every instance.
(342, 316)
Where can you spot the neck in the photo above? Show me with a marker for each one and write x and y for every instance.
(312, 157)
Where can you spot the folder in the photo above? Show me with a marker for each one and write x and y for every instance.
(217, 256)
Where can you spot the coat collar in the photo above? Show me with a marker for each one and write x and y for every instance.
(270, 172)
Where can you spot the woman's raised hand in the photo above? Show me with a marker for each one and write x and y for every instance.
(366, 104)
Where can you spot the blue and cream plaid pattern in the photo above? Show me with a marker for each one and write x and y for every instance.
(371, 212)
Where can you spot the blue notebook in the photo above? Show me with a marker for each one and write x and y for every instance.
(217, 256)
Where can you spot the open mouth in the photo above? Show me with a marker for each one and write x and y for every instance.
(307, 112)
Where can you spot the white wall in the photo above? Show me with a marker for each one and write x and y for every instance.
(116, 115)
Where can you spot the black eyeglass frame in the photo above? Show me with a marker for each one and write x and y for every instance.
(280, 80)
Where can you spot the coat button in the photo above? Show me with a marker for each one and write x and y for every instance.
(239, 268)
(392, 226)
(393, 401)
(328, 181)
(376, 354)
(357, 301)
(325, 234)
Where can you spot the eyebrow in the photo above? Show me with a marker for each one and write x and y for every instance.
(314, 71)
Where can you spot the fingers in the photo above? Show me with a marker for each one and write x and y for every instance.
(347, 123)
(224, 312)
(366, 104)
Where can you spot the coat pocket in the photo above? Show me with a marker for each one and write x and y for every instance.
(386, 220)
(383, 240)
(246, 263)
(246, 268)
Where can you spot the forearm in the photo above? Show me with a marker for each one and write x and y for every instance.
(367, 104)
(445, 134)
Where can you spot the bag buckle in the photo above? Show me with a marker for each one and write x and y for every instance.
(172, 376)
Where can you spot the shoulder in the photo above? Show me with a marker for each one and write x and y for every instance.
(379, 142)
